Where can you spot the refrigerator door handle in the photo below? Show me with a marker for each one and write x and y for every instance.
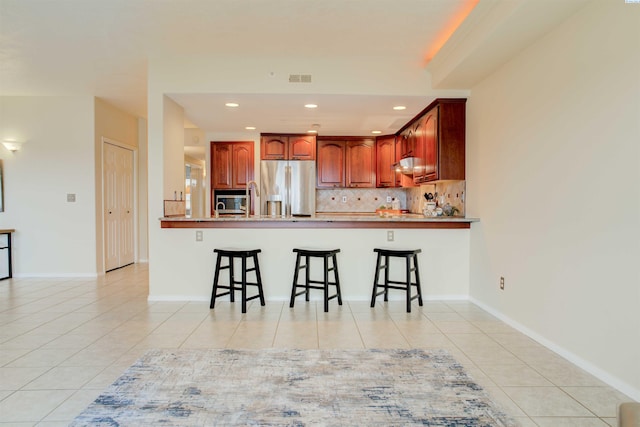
(287, 194)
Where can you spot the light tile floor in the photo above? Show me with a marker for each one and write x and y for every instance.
(62, 341)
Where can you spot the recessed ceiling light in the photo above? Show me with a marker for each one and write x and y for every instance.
(232, 104)
(310, 106)
(399, 107)
(250, 127)
(376, 131)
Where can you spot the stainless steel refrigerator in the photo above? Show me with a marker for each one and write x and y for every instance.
(288, 187)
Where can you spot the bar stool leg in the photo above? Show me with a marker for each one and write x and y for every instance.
(244, 284)
(216, 276)
(375, 281)
(417, 273)
(408, 272)
(386, 277)
(232, 277)
(337, 278)
(258, 279)
(326, 283)
(307, 276)
(295, 280)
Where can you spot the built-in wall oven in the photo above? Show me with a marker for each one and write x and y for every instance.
(230, 202)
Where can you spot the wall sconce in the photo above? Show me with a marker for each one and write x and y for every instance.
(11, 145)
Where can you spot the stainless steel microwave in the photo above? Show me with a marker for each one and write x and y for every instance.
(231, 204)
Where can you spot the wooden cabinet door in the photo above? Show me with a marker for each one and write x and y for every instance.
(385, 158)
(302, 147)
(429, 131)
(361, 163)
(274, 147)
(242, 164)
(221, 165)
(418, 151)
(330, 164)
(407, 144)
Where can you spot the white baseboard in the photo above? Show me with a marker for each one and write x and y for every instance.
(571, 357)
(200, 298)
(177, 298)
(55, 275)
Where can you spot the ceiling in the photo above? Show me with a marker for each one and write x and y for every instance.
(104, 47)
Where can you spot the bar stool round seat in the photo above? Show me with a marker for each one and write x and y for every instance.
(326, 255)
(236, 284)
(382, 263)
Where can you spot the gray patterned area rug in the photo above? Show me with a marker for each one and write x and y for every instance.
(294, 388)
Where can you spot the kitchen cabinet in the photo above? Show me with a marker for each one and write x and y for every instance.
(287, 147)
(386, 175)
(360, 163)
(436, 139)
(346, 162)
(231, 164)
(330, 164)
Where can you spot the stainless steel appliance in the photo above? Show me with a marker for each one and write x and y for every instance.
(288, 187)
(231, 204)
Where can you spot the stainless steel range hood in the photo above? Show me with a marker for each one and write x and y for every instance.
(408, 165)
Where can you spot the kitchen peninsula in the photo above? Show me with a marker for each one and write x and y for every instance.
(444, 241)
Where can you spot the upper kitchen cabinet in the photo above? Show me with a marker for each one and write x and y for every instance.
(386, 175)
(231, 164)
(361, 163)
(436, 138)
(287, 147)
(330, 165)
(346, 162)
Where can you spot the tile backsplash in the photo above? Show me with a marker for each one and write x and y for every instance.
(452, 192)
(370, 199)
(357, 199)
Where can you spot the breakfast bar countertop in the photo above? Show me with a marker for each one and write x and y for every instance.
(321, 220)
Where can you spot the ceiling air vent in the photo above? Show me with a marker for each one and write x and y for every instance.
(299, 78)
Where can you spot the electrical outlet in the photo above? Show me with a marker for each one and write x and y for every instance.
(344, 199)
(389, 199)
(198, 235)
(502, 283)
(390, 236)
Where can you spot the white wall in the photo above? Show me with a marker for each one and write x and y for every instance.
(143, 188)
(53, 237)
(553, 140)
(188, 265)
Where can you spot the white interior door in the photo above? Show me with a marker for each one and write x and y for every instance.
(119, 241)
(125, 195)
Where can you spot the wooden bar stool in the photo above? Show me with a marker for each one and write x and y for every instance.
(308, 284)
(405, 285)
(231, 255)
